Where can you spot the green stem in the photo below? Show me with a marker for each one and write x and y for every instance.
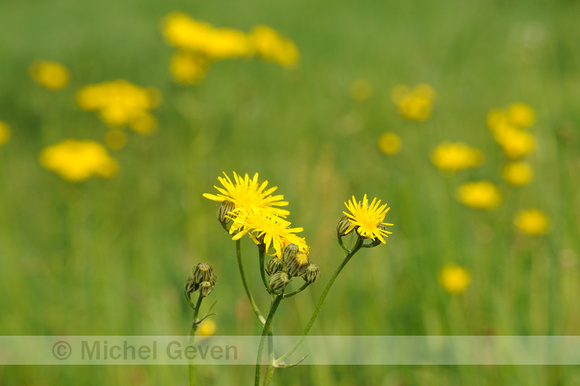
(347, 258)
(297, 291)
(265, 331)
(262, 269)
(246, 288)
(194, 326)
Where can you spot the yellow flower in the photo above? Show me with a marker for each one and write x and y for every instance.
(188, 67)
(479, 195)
(4, 133)
(207, 328)
(454, 279)
(76, 160)
(367, 219)
(495, 118)
(451, 157)
(532, 221)
(51, 75)
(518, 173)
(271, 46)
(389, 143)
(521, 115)
(515, 143)
(415, 104)
(361, 90)
(120, 103)
(248, 194)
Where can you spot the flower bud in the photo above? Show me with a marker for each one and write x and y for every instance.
(298, 264)
(343, 225)
(289, 252)
(203, 272)
(190, 286)
(278, 281)
(223, 210)
(274, 265)
(205, 288)
(312, 273)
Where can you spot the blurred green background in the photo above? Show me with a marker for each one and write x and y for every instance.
(110, 257)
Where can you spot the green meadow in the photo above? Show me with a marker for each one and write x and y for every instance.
(111, 256)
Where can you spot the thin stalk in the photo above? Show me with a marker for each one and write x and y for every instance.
(246, 288)
(297, 291)
(194, 326)
(265, 331)
(262, 251)
(347, 258)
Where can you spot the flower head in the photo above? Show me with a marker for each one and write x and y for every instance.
(414, 104)
(76, 160)
(479, 195)
(454, 279)
(389, 143)
(51, 75)
(532, 221)
(456, 156)
(367, 219)
(518, 173)
(271, 46)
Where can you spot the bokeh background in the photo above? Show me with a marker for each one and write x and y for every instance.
(109, 256)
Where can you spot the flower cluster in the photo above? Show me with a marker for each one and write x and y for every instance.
(119, 103)
(414, 104)
(76, 160)
(202, 279)
(251, 209)
(508, 128)
(52, 75)
(453, 156)
(4, 133)
(199, 44)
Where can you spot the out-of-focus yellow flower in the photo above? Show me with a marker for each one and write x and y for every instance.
(389, 143)
(188, 68)
(51, 75)
(515, 143)
(414, 104)
(521, 115)
(454, 279)
(120, 103)
(451, 157)
(518, 173)
(207, 328)
(184, 32)
(76, 160)
(532, 221)
(4, 133)
(116, 139)
(496, 118)
(271, 46)
(479, 195)
(361, 90)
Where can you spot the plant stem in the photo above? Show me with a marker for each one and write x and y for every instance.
(297, 291)
(248, 293)
(262, 270)
(265, 331)
(194, 326)
(347, 258)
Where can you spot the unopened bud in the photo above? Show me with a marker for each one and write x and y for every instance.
(312, 273)
(297, 265)
(278, 281)
(205, 288)
(190, 286)
(224, 209)
(342, 228)
(289, 252)
(202, 272)
(274, 265)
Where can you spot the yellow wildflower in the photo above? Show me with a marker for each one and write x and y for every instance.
(188, 67)
(415, 104)
(521, 115)
(4, 133)
(518, 173)
(479, 195)
(454, 279)
(76, 160)
(361, 90)
(207, 328)
(389, 143)
(514, 142)
(271, 46)
(532, 221)
(367, 219)
(495, 118)
(451, 157)
(51, 75)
